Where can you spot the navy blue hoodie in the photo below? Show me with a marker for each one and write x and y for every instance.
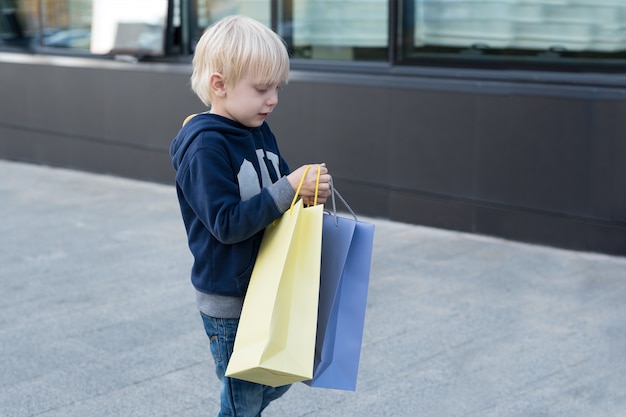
(231, 184)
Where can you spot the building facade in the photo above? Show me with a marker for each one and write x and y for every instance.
(503, 117)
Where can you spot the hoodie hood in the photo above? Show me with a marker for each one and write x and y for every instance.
(204, 122)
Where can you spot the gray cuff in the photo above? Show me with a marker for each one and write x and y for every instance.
(221, 306)
(282, 193)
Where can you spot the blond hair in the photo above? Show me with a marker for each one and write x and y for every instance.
(237, 47)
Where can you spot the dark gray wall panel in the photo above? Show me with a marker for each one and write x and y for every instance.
(618, 179)
(533, 152)
(604, 142)
(565, 232)
(543, 163)
(433, 141)
(342, 126)
(76, 152)
(432, 211)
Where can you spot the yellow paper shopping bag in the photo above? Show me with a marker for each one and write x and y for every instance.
(275, 342)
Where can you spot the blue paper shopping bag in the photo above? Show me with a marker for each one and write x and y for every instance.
(344, 280)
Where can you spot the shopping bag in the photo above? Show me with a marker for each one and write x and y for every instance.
(346, 259)
(275, 341)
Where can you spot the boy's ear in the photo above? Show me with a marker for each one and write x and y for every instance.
(217, 84)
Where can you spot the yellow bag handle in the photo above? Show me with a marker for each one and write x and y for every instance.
(317, 185)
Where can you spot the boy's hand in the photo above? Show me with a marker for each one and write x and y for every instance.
(307, 192)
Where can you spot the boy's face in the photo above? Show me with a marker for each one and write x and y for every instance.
(246, 102)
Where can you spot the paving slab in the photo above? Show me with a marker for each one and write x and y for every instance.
(97, 316)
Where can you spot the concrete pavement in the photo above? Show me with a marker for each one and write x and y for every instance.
(97, 316)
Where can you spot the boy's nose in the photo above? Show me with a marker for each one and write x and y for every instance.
(272, 100)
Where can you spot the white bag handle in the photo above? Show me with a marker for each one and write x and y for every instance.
(345, 203)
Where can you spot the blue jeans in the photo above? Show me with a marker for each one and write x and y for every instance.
(238, 398)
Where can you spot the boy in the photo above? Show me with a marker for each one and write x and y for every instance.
(232, 182)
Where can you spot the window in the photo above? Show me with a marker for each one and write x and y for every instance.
(18, 22)
(66, 24)
(206, 12)
(520, 32)
(535, 34)
(89, 26)
(313, 29)
(353, 30)
(129, 27)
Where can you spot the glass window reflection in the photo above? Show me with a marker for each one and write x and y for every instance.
(515, 29)
(540, 34)
(340, 30)
(66, 24)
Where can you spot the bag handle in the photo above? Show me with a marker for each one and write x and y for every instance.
(317, 186)
(345, 203)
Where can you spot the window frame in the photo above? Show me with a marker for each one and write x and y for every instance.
(401, 55)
